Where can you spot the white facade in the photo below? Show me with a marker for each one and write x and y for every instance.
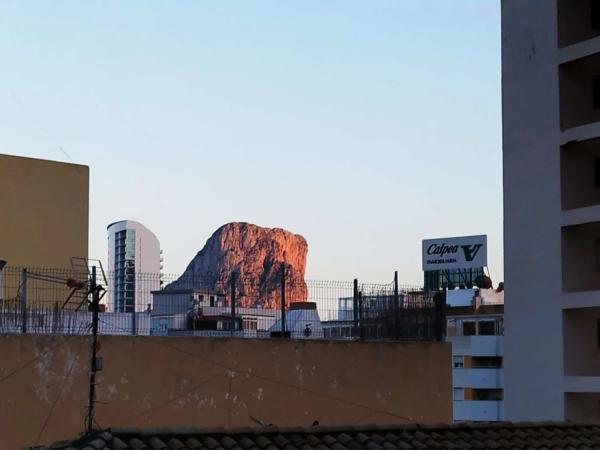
(474, 328)
(302, 321)
(551, 140)
(134, 266)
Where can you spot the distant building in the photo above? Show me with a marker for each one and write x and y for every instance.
(551, 167)
(475, 328)
(134, 266)
(205, 313)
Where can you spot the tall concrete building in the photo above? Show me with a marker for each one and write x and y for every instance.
(44, 209)
(551, 140)
(134, 266)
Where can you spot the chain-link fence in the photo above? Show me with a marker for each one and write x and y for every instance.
(51, 301)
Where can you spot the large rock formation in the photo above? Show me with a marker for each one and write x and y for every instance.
(255, 257)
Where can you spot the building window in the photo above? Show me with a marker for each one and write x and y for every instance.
(458, 362)
(598, 332)
(487, 361)
(487, 327)
(212, 300)
(451, 328)
(458, 394)
(488, 394)
(595, 14)
(469, 328)
(596, 92)
(250, 323)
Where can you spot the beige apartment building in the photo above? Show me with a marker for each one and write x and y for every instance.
(551, 141)
(44, 208)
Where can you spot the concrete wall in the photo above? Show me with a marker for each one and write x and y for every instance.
(150, 381)
(532, 235)
(43, 212)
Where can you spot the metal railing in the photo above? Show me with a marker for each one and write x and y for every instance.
(53, 301)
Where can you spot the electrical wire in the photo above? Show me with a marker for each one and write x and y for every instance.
(277, 382)
(168, 402)
(18, 369)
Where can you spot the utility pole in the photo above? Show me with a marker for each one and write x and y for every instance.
(95, 290)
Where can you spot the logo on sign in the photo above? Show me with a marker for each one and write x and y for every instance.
(471, 251)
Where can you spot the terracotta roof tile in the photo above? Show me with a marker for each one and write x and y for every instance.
(546, 435)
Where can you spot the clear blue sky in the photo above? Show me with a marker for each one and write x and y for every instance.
(365, 126)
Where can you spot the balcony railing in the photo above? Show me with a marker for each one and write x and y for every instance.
(478, 410)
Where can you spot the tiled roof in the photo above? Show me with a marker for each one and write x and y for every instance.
(543, 435)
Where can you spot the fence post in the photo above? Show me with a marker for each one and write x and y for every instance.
(355, 308)
(396, 308)
(360, 316)
(233, 280)
(283, 301)
(133, 317)
(23, 298)
(440, 314)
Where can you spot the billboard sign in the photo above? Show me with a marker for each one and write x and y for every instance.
(466, 252)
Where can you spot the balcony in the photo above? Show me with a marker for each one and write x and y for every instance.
(478, 410)
(581, 329)
(581, 257)
(478, 378)
(581, 384)
(477, 345)
(582, 407)
(580, 175)
(577, 21)
(579, 92)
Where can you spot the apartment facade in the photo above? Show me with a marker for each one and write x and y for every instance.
(134, 266)
(200, 312)
(475, 328)
(551, 151)
(44, 212)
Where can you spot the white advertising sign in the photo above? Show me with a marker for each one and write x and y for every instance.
(464, 252)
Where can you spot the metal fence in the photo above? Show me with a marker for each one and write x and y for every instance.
(51, 301)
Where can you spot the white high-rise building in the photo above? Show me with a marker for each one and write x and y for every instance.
(134, 266)
(551, 140)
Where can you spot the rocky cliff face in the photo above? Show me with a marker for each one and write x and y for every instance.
(256, 255)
